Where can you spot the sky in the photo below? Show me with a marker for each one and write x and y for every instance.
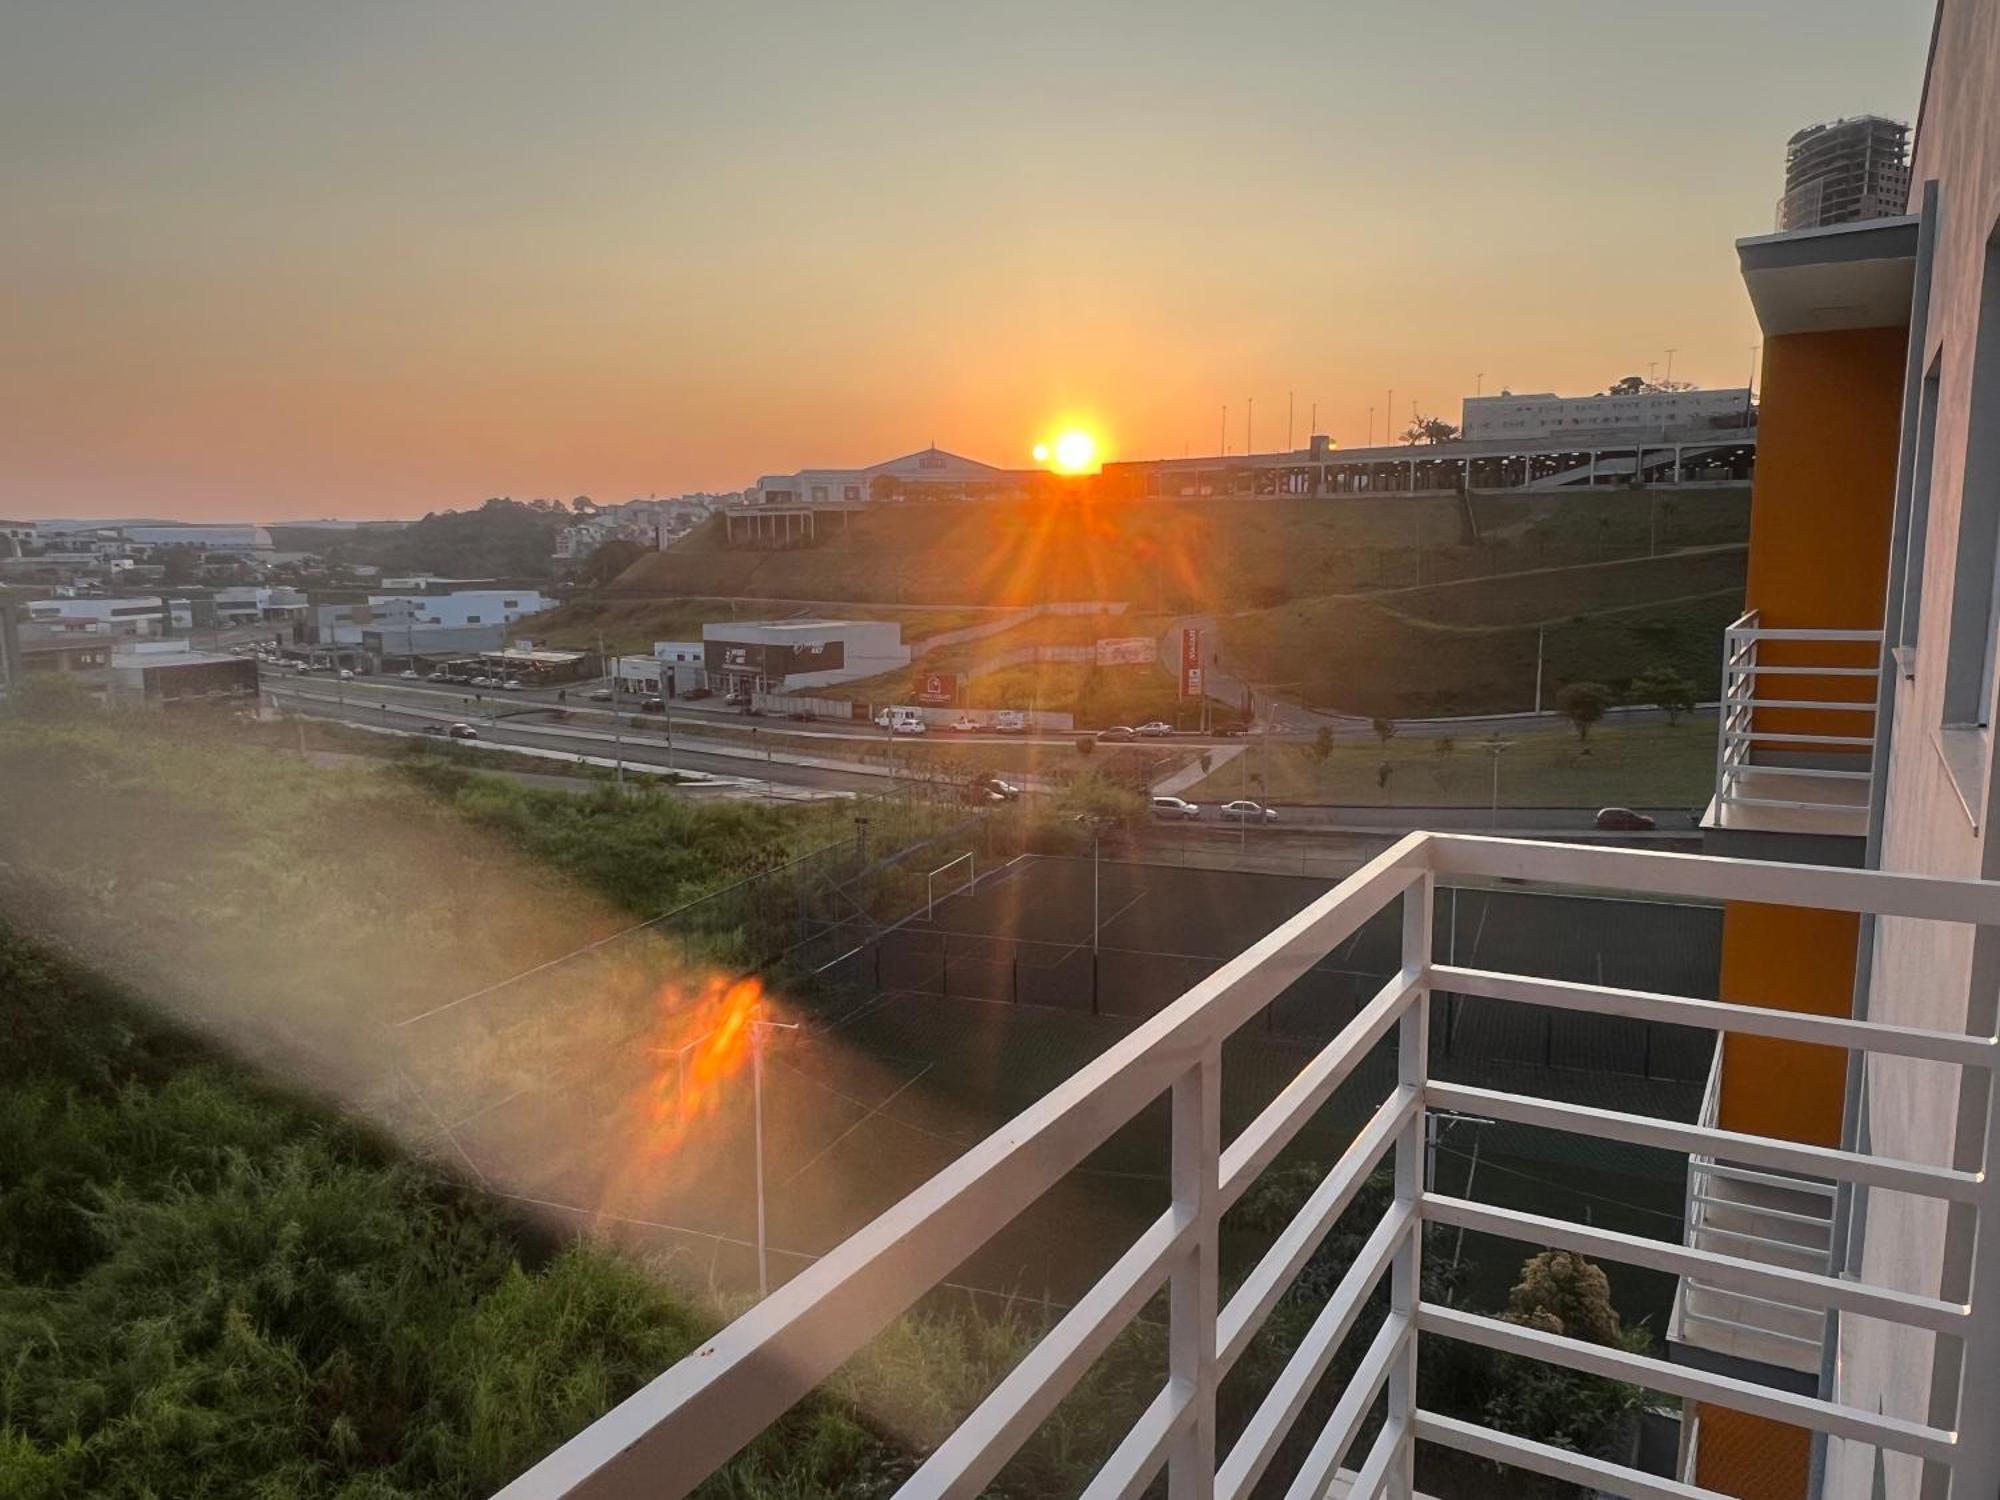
(282, 260)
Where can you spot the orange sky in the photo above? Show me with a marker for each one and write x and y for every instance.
(372, 259)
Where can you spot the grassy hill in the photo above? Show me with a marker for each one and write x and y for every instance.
(1181, 556)
(1471, 648)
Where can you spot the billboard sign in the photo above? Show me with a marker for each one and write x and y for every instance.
(1191, 663)
(1126, 651)
(936, 689)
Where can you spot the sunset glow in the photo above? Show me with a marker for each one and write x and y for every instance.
(1075, 452)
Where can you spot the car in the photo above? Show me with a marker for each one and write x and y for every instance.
(695, 694)
(514, 685)
(1118, 734)
(1171, 808)
(408, 673)
(1245, 811)
(966, 724)
(1155, 729)
(908, 726)
(463, 732)
(998, 790)
(440, 676)
(653, 705)
(737, 699)
(602, 695)
(1623, 820)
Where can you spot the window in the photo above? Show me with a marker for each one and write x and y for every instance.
(471, 619)
(1968, 677)
(819, 494)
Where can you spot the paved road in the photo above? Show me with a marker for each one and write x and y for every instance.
(631, 747)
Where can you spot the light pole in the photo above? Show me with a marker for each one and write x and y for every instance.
(1493, 747)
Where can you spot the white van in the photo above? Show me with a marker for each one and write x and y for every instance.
(1011, 721)
(901, 720)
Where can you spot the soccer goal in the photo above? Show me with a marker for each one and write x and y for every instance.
(947, 880)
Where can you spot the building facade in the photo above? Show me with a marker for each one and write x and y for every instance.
(465, 607)
(930, 473)
(1844, 171)
(1656, 413)
(778, 656)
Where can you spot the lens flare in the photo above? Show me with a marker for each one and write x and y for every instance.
(701, 1043)
(1041, 453)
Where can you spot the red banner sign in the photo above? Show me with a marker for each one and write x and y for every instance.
(936, 689)
(1191, 663)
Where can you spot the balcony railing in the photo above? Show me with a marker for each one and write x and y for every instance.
(666, 1438)
(1777, 1218)
(1796, 735)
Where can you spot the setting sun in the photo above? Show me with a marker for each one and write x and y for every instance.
(1075, 451)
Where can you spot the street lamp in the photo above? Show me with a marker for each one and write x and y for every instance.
(1493, 747)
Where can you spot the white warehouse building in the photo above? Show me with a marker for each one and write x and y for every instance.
(1546, 415)
(467, 606)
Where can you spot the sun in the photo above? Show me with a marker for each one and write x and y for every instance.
(1075, 451)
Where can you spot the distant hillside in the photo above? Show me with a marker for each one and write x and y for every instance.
(501, 539)
(1181, 556)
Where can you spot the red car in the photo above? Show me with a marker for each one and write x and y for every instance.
(1623, 820)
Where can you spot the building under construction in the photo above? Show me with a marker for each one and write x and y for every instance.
(1845, 170)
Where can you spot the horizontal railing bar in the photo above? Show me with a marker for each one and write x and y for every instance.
(1831, 705)
(1813, 771)
(1796, 737)
(1810, 671)
(1294, 1386)
(1375, 1467)
(1689, 1383)
(1688, 1315)
(1244, 1158)
(1719, 1015)
(1731, 1273)
(1736, 799)
(1808, 1252)
(1742, 1296)
(1733, 1173)
(741, 1380)
(1334, 1439)
(1253, 1300)
(1890, 893)
(1593, 1474)
(1784, 1215)
(979, 1447)
(1671, 1135)
(1760, 633)
(1139, 1454)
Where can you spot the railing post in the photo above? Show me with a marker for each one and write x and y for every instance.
(1405, 1275)
(1192, 1293)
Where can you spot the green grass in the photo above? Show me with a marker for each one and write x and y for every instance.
(1641, 765)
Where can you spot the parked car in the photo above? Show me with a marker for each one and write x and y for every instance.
(1623, 820)
(463, 732)
(653, 706)
(738, 699)
(1246, 811)
(966, 724)
(1011, 721)
(602, 695)
(908, 726)
(1156, 729)
(693, 694)
(514, 685)
(1117, 734)
(998, 790)
(900, 719)
(409, 672)
(440, 676)
(1171, 808)
(347, 674)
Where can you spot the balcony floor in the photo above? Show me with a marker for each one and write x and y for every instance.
(1840, 810)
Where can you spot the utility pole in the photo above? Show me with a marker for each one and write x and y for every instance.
(1388, 417)
(1479, 384)
(1371, 426)
(1670, 363)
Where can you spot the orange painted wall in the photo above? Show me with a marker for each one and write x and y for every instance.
(1787, 958)
(1752, 1458)
(1820, 517)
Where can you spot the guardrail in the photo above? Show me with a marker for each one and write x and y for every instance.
(1767, 730)
(688, 1422)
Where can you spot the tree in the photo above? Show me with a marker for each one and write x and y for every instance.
(1429, 430)
(610, 559)
(1322, 745)
(1562, 1293)
(1583, 704)
(1385, 729)
(1666, 688)
(1382, 774)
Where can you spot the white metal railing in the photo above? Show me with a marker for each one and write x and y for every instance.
(1749, 741)
(1778, 1218)
(689, 1421)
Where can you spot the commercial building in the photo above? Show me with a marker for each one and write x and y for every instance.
(780, 656)
(1836, 1334)
(929, 474)
(150, 615)
(1656, 414)
(466, 606)
(171, 674)
(1844, 171)
(1535, 464)
(673, 667)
